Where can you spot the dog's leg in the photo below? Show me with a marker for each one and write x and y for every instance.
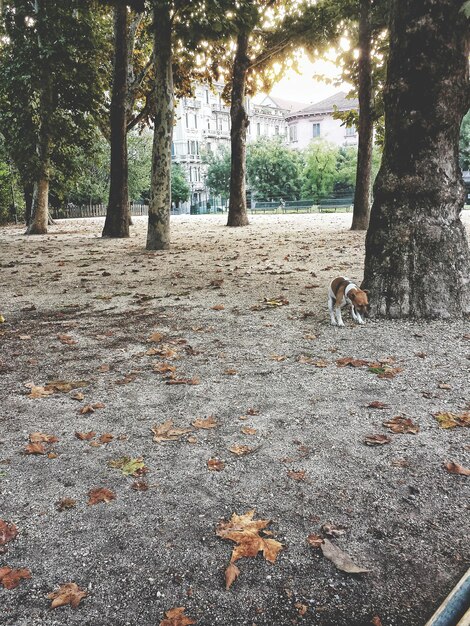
(331, 310)
(359, 318)
(354, 314)
(338, 316)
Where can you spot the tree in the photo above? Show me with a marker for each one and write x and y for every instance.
(218, 173)
(417, 256)
(179, 184)
(274, 171)
(320, 172)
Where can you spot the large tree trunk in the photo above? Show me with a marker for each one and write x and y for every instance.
(158, 234)
(417, 256)
(361, 210)
(117, 213)
(237, 214)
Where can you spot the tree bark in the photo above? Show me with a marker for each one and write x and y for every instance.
(158, 234)
(417, 256)
(117, 212)
(237, 213)
(361, 210)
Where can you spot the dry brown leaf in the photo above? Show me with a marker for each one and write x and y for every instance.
(340, 559)
(231, 574)
(230, 372)
(241, 450)
(400, 424)
(347, 360)
(444, 386)
(167, 432)
(77, 396)
(278, 357)
(10, 578)
(42, 438)
(307, 360)
(85, 436)
(247, 430)
(376, 621)
(376, 440)
(8, 532)
(252, 411)
(176, 617)
(218, 307)
(106, 438)
(39, 392)
(315, 540)
(455, 468)
(451, 420)
(164, 368)
(101, 494)
(103, 368)
(155, 337)
(376, 404)
(332, 530)
(64, 386)
(140, 485)
(215, 465)
(66, 503)
(35, 448)
(69, 593)
(301, 608)
(300, 475)
(205, 424)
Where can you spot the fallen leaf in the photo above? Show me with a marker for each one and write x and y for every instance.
(400, 424)
(106, 438)
(77, 396)
(376, 404)
(275, 302)
(444, 386)
(376, 440)
(65, 504)
(241, 450)
(315, 540)
(85, 436)
(340, 559)
(215, 465)
(332, 530)
(300, 475)
(10, 578)
(247, 430)
(42, 438)
(347, 360)
(103, 368)
(164, 368)
(67, 339)
(230, 372)
(140, 485)
(301, 608)
(35, 448)
(205, 424)
(252, 412)
(155, 337)
(451, 420)
(384, 371)
(69, 593)
(306, 360)
(91, 408)
(455, 468)
(128, 466)
(166, 432)
(400, 463)
(63, 386)
(39, 392)
(218, 307)
(101, 494)
(278, 357)
(8, 532)
(176, 617)
(376, 621)
(231, 574)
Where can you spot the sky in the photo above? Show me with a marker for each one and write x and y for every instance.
(305, 86)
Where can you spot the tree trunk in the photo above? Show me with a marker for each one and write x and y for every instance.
(117, 212)
(28, 189)
(417, 256)
(40, 205)
(361, 210)
(237, 214)
(158, 234)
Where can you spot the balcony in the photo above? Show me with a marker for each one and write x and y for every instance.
(216, 134)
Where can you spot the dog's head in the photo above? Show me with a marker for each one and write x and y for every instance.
(360, 299)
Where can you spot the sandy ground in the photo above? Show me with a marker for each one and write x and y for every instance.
(79, 308)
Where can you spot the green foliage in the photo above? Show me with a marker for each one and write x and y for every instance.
(218, 173)
(179, 184)
(273, 170)
(320, 171)
(139, 149)
(464, 143)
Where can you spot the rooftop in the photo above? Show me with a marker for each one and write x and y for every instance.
(339, 101)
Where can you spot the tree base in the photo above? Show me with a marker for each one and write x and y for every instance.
(238, 220)
(34, 229)
(360, 223)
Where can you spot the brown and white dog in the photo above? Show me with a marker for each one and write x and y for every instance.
(343, 291)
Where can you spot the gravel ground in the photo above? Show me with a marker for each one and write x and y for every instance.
(79, 308)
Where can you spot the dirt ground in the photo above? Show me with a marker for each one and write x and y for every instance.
(242, 313)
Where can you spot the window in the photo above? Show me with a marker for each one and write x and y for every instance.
(187, 120)
(195, 120)
(293, 133)
(258, 129)
(351, 131)
(207, 96)
(276, 130)
(316, 130)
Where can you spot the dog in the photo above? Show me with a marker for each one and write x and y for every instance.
(343, 291)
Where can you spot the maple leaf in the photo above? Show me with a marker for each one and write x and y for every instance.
(128, 466)
(166, 432)
(399, 424)
(332, 530)
(376, 440)
(347, 360)
(140, 485)
(231, 574)
(241, 450)
(244, 531)
(247, 430)
(10, 578)
(301, 608)
(306, 360)
(218, 307)
(65, 504)
(8, 532)
(64, 386)
(69, 593)
(101, 494)
(215, 465)
(455, 468)
(205, 424)
(42, 438)
(314, 540)
(278, 357)
(300, 475)
(164, 368)
(85, 436)
(176, 617)
(39, 392)
(106, 438)
(35, 448)
(77, 396)
(376, 404)
(155, 337)
(451, 420)
(340, 559)
(91, 408)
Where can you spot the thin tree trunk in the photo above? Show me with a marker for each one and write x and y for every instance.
(237, 214)
(117, 212)
(40, 205)
(28, 189)
(417, 256)
(158, 234)
(361, 210)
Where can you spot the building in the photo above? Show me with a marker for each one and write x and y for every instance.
(203, 126)
(316, 121)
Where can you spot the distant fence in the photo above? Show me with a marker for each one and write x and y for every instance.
(99, 210)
